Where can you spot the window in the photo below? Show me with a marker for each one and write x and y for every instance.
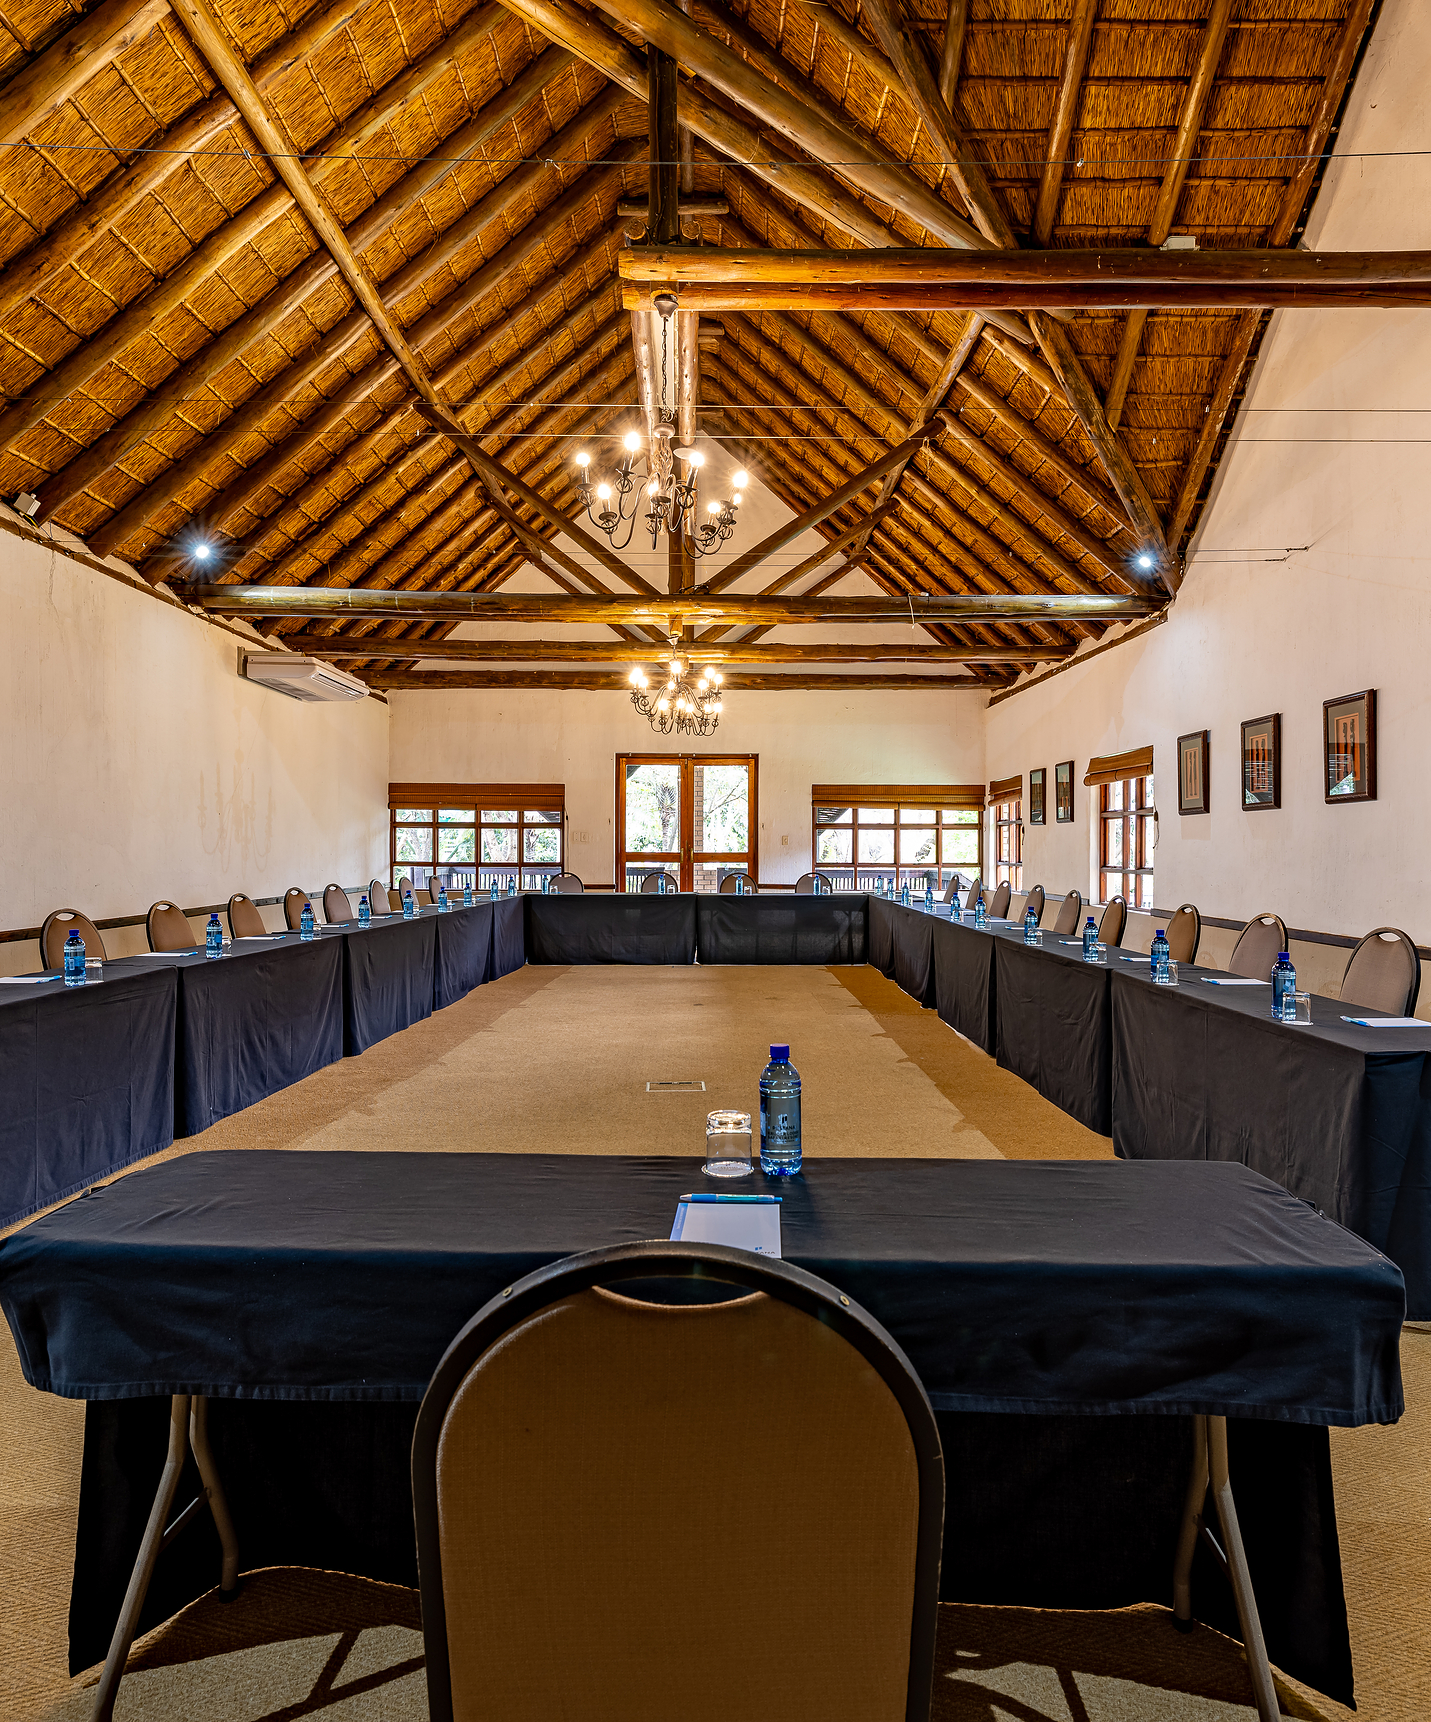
(863, 833)
(691, 816)
(1127, 837)
(1009, 843)
(458, 833)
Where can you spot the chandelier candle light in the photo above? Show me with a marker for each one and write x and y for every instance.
(681, 703)
(671, 501)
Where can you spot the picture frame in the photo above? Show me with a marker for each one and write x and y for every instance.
(1262, 763)
(1349, 748)
(1194, 757)
(1038, 782)
(1063, 793)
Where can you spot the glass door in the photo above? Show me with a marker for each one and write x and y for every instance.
(690, 816)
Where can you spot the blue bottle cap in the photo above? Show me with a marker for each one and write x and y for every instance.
(1282, 957)
(780, 1054)
(1158, 934)
(74, 934)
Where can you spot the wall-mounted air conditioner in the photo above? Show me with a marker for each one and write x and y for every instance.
(301, 678)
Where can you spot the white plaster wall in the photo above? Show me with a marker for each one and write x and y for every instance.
(137, 764)
(1330, 453)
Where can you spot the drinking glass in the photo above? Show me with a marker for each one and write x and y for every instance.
(1303, 1003)
(93, 970)
(727, 1145)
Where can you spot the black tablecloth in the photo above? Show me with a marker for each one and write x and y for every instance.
(509, 937)
(879, 951)
(389, 978)
(87, 1080)
(1054, 1026)
(964, 982)
(1339, 1115)
(464, 952)
(620, 927)
(1046, 1287)
(780, 929)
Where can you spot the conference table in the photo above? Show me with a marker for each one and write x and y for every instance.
(1069, 1320)
(1337, 1113)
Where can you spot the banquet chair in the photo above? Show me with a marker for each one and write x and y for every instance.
(1184, 934)
(1257, 946)
(1115, 918)
(168, 929)
(58, 926)
(1383, 973)
(337, 905)
(379, 900)
(952, 888)
(245, 922)
(1035, 901)
(731, 884)
(394, 901)
(999, 902)
(293, 900)
(805, 886)
(424, 899)
(1068, 914)
(652, 882)
(567, 1553)
(403, 884)
(567, 885)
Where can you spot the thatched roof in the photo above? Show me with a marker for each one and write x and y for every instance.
(181, 355)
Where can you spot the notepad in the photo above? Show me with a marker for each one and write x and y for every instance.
(258, 938)
(26, 980)
(1387, 1021)
(741, 1223)
(1231, 981)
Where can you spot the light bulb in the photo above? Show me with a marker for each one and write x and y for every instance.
(741, 479)
(604, 492)
(583, 459)
(663, 704)
(635, 678)
(1145, 561)
(693, 457)
(631, 442)
(653, 488)
(677, 665)
(717, 709)
(735, 500)
(715, 676)
(714, 508)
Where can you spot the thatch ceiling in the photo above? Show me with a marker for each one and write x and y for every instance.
(182, 357)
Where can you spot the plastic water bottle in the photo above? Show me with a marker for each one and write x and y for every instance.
(780, 1115)
(981, 914)
(493, 893)
(307, 924)
(409, 906)
(442, 902)
(1159, 957)
(928, 897)
(1030, 925)
(511, 884)
(74, 960)
(904, 893)
(365, 913)
(467, 895)
(213, 939)
(1090, 941)
(1284, 989)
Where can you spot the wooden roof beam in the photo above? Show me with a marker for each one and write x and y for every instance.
(951, 58)
(1065, 112)
(638, 652)
(606, 681)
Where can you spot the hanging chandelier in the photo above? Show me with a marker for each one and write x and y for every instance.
(681, 703)
(669, 497)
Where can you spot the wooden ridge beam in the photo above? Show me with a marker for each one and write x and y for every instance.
(1065, 112)
(605, 681)
(39, 90)
(639, 652)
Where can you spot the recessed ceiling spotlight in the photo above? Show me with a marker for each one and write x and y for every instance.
(1145, 560)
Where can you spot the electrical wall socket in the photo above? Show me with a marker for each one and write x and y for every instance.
(784, 842)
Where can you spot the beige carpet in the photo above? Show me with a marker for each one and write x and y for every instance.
(300, 1644)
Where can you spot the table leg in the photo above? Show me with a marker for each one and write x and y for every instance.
(188, 1422)
(1191, 1527)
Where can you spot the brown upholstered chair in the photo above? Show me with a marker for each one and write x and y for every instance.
(566, 1547)
(567, 885)
(734, 882)
(806, 885)
(999, 902)
(58, 926)
(652, 882)
(1035, 901)
(423, 899)
(293, 900)
(952, 888)
(1184, 934)
(337, 906)
(1068, 914)
(1257, 946)
(245, 922)
(403, 884)
(1115, 918)
(378, 900)
(395, 901)
(168, 929)
(1382, 973)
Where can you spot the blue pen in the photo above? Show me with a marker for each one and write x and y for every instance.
(705, 1198)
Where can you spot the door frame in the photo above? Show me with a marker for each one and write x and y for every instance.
(685, 859)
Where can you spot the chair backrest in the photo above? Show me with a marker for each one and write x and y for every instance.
(999, 902)
(403, 884)
(293, 900)
(1257, 946)
(1068, 914)
(423, 899)
(168, 929)
(1383, 973)
(566, 1545)
(337, 906)
(58, 926)
(805, 885)
(1035, 901)
(395, 900)
(245, 922)
(1184, 934)
(377, 896)
(951, 888)
(652, 882)
(1115, 918)
(567, 885)
(734, 882)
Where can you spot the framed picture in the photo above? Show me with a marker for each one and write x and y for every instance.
(1063, 792)
(1349, 746)
(1192, 772)
(1262, 763)
(1037, 781)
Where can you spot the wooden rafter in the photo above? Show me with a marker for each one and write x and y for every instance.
(1065, 111)
(700, 651)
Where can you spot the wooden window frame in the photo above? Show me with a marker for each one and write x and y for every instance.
(522, 798)
(922, 798)
(1138, 817)
(684, 860)
(1008, 820)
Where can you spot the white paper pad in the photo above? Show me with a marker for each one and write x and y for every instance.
(1207, 981)
(25, 980)
(1387, 1021)
(258, 938)
(751, 1226)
